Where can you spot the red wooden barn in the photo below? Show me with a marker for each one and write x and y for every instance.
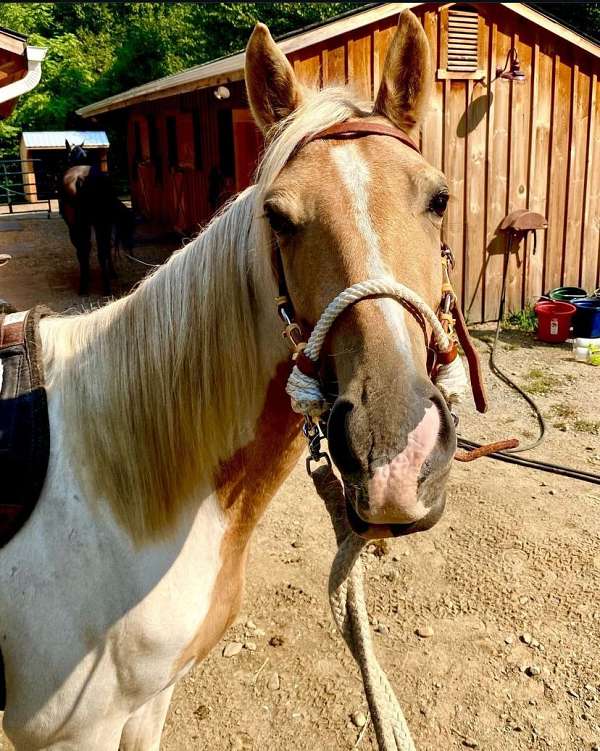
(20, 69)
(505, 142)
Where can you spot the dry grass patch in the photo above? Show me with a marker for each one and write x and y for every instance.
(563, 410)
(540, 382)
(587, 426)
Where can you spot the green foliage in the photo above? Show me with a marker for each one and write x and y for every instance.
(584, 17)
(99, 49)
(521, 320)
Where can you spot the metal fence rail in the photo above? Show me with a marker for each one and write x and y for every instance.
(26, 182)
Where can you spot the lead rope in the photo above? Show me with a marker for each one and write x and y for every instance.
(347, 600)
(346, 591)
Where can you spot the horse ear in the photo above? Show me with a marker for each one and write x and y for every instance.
(67, 145)
(407, 75)
(273, 90)
(81, 144)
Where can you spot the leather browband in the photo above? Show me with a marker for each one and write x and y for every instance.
(354, 128)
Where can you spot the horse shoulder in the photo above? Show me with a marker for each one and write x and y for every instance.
(244, 486)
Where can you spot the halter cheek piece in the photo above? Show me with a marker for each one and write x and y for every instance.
(448, 326)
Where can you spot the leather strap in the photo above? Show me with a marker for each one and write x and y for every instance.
(486, 450)
(357, 128)
(12, 329)
(477, 384)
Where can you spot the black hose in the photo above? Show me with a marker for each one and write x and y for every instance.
(502, 375)
(556, 469)
(508, 454)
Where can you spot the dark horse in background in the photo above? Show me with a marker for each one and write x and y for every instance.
(87, 200)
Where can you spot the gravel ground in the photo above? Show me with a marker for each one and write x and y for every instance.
(506, 584)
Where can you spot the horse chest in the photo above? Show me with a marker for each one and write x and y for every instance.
(114, 619)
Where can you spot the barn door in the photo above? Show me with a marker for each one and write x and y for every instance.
(247, 144)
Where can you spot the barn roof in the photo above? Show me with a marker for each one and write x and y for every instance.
(55, 139)
(231, 68)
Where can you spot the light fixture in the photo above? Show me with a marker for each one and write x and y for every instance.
(515, 73)
(222, 92)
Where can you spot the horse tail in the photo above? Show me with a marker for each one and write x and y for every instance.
(124, 225)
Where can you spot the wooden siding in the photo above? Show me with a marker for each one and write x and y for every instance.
(503, 145)
(180, 199)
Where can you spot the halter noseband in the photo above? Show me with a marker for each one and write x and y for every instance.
(448, 326)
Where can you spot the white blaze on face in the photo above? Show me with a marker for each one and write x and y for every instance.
(356, 178)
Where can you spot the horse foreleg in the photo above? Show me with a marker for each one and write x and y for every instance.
(143, 730)
(103, 237)
(81, 237)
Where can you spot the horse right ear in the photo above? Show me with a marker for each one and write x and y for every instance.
(67, 145)
(273, 89)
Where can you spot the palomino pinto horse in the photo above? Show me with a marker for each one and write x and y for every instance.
(171, 429)
(87, 201)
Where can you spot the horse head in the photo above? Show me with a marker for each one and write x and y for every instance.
(344, 210)
(76, 155)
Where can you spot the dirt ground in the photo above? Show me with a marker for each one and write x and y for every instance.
(508, 581)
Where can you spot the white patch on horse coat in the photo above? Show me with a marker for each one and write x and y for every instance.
(91, 625)
(356, 177)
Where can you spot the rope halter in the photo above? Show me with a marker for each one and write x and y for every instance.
(304, 387)
(446, 371)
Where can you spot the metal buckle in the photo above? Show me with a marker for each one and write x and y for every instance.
(313, 435)
(292, 331)
(293, 334)
(448, 255)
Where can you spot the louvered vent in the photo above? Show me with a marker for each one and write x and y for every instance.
(463, 39)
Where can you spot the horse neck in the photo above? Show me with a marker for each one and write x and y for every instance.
(174, 376)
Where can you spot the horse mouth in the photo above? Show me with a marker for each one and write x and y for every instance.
(370, 531)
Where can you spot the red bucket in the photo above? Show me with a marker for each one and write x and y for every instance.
(554, 320)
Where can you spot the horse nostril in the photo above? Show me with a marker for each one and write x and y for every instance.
(448, 421)
(338, 438)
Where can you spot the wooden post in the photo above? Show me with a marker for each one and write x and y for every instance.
(7, 189)
(29, 184)
(104, 160)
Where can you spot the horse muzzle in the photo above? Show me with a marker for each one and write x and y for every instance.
(394, 480)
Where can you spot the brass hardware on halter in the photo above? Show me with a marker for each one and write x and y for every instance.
(292, 332)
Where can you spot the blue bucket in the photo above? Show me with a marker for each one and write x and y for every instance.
(586, 321)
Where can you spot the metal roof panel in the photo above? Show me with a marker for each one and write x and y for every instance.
(55, 139)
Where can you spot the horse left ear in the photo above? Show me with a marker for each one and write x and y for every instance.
(67, 145)
(407, 75)
(273, 89)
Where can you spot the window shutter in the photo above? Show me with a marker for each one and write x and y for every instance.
(463, 40)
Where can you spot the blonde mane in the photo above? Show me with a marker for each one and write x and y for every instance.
(162, 386)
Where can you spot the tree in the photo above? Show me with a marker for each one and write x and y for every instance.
(99, 49)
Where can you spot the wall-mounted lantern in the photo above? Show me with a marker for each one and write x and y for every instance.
(514, 73)
(222, 92)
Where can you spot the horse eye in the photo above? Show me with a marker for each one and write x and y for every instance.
(439, 203)
(280, 223)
